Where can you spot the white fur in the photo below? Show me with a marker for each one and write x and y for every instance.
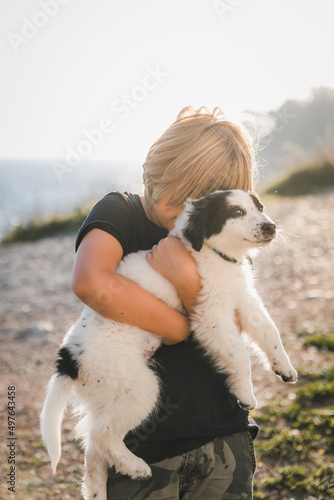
(116, 390)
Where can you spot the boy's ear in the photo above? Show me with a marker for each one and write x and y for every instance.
(200, 219)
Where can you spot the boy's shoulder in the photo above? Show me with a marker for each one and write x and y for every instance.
(122, 196)
(117, 201)
(117, 213)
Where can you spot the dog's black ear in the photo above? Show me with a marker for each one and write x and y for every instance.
(200, 220)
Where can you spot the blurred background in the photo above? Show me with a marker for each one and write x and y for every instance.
(87, 87)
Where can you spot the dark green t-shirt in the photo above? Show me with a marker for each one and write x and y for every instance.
(195, 403)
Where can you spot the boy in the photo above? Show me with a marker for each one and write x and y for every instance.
(200, 442)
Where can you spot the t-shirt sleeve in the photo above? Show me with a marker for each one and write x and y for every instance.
(111, 214)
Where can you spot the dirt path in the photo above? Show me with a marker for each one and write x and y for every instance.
(295, 279)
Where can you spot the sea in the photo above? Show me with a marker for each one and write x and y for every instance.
(37, 189)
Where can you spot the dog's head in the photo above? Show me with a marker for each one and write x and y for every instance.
(232, 219)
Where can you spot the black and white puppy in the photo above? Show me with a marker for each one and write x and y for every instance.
(106, 364)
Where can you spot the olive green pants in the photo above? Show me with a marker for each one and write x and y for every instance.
(220, 470)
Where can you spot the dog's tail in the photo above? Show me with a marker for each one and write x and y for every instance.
(59, 391)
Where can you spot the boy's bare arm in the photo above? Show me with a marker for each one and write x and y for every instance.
(97, 284)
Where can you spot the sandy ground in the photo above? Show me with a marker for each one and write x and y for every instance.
(294, 276)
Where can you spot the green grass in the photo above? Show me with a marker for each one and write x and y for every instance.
(54, 226)
(297, 480)
(296, 440)
(307, 179)
(322, 341)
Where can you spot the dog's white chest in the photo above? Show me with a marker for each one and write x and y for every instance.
(223, 282)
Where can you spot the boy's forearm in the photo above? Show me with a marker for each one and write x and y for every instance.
(188, 291)
(124, 301)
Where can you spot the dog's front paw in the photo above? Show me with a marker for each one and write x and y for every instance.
(290, 376)
(247, 405)
(284, 369)
(244, 394)
(246, 400)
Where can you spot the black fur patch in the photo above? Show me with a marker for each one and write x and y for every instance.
(256, 201)
(66, 363)
(208, 217)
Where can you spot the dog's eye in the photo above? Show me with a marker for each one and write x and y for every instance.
(261, 208)
(238, 212)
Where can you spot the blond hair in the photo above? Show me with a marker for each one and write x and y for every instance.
(199, 153)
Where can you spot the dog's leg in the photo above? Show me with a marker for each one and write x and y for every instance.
(137, 398)
(116, 454)
(94, 485)
(221, 341)
(256, 321)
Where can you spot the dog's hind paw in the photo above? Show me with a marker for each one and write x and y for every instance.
(137, 469)
(143, 473)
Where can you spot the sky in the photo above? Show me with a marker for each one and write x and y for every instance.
(103, 79)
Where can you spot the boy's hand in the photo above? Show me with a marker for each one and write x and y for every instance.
(170, 258)
(174, 262)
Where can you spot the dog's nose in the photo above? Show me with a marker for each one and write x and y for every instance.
(268, 228)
